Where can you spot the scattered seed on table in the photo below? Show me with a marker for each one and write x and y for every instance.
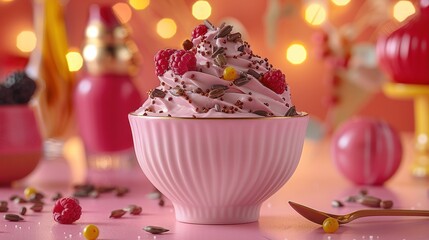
(161, 202)
(13, 217)
(19, 200)
(4, 209)
(94, 194)
(37, 207)
(336, 204)
(370, 201)
(117, 213)
(57, 196)
(155, 229)
(386, 204)
(121, 191)
(23, 211)
(363, 192)
(133, 209)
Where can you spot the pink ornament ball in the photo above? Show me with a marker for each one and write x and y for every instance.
(366, 151)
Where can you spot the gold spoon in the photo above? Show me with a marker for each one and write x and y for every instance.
(318, 216)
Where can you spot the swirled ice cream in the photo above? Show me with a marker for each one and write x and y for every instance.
(217, 75)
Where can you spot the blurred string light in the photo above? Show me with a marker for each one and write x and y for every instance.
(123, 11)
(139, 4)
(201, 10)
(74, 61)
(6, 1)
(296, 53)
(402, 10)
(90, 52)
(340, 2)
(26, 41)
(315, 13)
(166, 28)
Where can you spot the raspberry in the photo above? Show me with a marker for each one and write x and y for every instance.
(182, 61)
(199, 31)
(67, 210)
(274, 80)
(161, 61)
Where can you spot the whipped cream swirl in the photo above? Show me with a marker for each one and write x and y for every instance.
(205, 93)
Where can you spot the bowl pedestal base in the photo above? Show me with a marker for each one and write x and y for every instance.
(217, 215)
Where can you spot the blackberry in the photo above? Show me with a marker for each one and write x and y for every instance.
(20, 86)
(5, 95)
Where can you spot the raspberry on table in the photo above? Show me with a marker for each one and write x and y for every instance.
(199, 31)
(274, 80)
(161, 61)
(182, 61)
(67, 210)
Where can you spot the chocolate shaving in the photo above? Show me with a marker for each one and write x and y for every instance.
(187, 44)
(242, 80)
(217, 51)
(216, 93)
(156, 93)
(261, 113)
(219, 86)
(291, 112)
(177, 91)
(217, 107)
(234, 37)
(220, 60)
(222, 25)
(254, 73)
(224, 31)
(241, 48)
(209, 25)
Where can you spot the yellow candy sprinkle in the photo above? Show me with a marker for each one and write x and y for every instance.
(330, 225)
(230, 74)
(90, 232)
(29, 191)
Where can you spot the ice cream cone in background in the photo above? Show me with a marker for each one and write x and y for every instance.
(48, 67)
(105, 95)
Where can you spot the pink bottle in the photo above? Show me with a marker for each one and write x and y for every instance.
(106, 94)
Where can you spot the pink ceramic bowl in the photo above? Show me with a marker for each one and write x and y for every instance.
(218, 171)
(20, 143)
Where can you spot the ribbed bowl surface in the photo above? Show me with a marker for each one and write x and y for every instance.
(218, 171)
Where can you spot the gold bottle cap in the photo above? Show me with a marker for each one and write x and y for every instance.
(108, 47)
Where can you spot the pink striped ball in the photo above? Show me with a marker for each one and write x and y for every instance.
(366, 151)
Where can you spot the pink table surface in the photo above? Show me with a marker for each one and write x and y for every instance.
(315, 183)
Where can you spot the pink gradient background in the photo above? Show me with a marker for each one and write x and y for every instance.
(306, 80)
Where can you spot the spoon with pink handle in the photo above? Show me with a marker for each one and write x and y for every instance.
(318, 216)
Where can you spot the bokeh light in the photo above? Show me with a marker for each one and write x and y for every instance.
(201, 10)
(74, 61)
(296, 53)
(139, 4)
(402, 10)
(315, 14)
(166, 28)
(123, 11)
(26, 41)
(90, 52)
(340, 2)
